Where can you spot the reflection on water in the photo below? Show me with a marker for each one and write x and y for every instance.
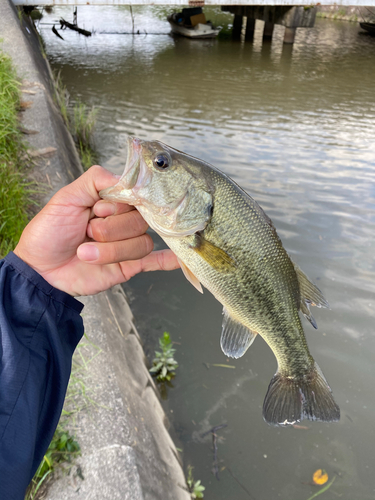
(295, 127)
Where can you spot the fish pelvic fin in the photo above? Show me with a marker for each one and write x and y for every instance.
(310, 296)
(190, 276)
(291, 399)
(235, 337)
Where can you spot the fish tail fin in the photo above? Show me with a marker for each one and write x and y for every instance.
(291, 399)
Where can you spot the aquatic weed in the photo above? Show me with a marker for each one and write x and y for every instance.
(80, 120)
(195, 488)
(164, 363)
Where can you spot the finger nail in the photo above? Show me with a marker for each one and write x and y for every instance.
(88, 253)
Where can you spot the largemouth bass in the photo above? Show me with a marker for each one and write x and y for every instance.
(225, 242)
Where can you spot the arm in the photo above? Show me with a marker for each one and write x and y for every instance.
(40, 327)
(77, 245)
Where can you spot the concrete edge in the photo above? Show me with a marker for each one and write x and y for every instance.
(127, 452)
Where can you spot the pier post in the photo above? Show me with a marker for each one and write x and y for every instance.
(289, 35)
(237, 27)
(268, 30)
(285, 15)
(250, 28)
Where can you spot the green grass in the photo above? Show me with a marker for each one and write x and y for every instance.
(62, 450)
(13, 186)
(80, 120)
(61, 97)
(83, 121)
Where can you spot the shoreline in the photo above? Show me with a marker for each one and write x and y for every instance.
(126, 450)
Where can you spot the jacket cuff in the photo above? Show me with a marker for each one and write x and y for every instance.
(39, 282)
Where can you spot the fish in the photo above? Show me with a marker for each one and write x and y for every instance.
(226, 243)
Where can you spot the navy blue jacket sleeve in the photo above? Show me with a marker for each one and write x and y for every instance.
(40, 327)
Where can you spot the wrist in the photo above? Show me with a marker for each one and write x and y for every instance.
(46, 275)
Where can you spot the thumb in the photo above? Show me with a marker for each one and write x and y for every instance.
(84, 192)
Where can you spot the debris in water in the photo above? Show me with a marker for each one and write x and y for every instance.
(54, 30)
(322, 490)
(320, 477)
(214, 443)
(301, 427)
(41, 152)
(65, 24)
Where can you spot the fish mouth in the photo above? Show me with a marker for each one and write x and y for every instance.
(122, 191)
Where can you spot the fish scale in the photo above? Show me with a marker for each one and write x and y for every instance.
(267, 310)
(225, 241)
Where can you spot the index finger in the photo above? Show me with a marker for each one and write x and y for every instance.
(104, 208)
(160, 260)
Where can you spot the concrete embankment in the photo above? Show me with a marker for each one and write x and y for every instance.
(127, 452)
(340, 13)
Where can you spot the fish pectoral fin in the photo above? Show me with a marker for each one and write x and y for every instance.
(213, 255)
(235, 337)
(310, 296)
(290, 399)
(190, 276)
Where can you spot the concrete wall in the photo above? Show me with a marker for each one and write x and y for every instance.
(343, 13)
(127, 452)
(195, 2)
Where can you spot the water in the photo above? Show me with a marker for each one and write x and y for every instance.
(295, 127)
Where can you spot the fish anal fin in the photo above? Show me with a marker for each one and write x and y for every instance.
(235, 337)
(213, 255)
(190, 276)
(292, 399)
(305, 310)
(310, 296)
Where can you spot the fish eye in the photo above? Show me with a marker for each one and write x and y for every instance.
(162, 161)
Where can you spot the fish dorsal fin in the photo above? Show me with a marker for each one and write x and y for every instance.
(213, 255)
(235, 337)
(190, 276)
(310, 296)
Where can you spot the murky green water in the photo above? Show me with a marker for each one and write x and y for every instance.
(295, 127)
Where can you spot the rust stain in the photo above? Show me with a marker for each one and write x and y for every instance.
(196, 3)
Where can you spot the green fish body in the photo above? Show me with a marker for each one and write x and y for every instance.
(225, 242)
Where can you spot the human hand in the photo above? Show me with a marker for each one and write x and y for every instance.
(83, 245)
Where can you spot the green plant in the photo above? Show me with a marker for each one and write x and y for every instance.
(88, 156)
(195, 488)
(13, 186)
(164, 363)
(62, 449)
(83, 121)
(80, 120)
(61, 97)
